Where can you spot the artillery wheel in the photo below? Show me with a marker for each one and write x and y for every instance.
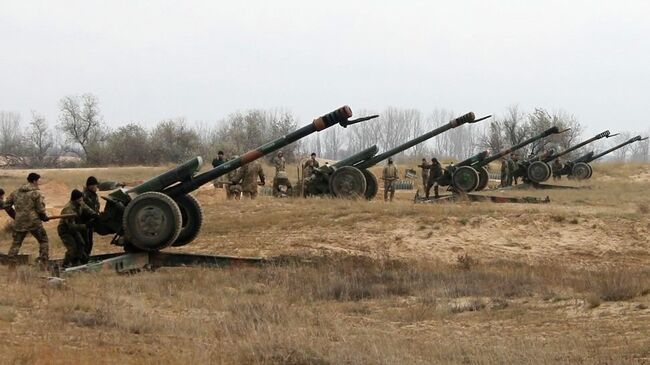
(465, 179)
(483, 178)
(152, 221)
(347, 182)
(591, 171)
(372, 186)
(581, 171)
(539, 171)
(192, 218)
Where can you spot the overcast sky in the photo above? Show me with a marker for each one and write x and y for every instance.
(150, 60)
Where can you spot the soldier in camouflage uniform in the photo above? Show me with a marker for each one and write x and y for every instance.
(247, 176)
(233, 191)
(435, 172)
(91, 199)
(309, 166)
(512, 167)
(389, 175)
(29, 205)
(557, 169)
(73, 232)
(279, 162)
(504, 172)
(425, 172)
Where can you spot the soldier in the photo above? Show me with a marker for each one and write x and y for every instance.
(310, 165)
(29, 205)
(504, 172)
(233, 191)
(218, 160)
(73, 232)
(512, 167)
(91, 199)
(389, 175)
(425, 172)
(557, 169)
(515, 177)
(247, 175)
(435, 172)
(279, 162)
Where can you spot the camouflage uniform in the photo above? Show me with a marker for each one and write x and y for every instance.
(29, 203)
(233, 191)
(247, 175)
(557, 169)
(279, 163)
(425, 172)
(512, 167)
(308, 167)
(389, 175)
(504, 172)
(91, 199)
(435, 172)
(73, 233)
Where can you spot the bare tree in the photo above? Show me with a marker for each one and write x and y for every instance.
(81, 123)
(621, 153)
(11, 139)
(640, 150)
(493, 137)
(363, 135)
(514, 126)
(41, 142)
(332, 143)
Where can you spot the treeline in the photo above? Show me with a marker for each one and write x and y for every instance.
(80, 136)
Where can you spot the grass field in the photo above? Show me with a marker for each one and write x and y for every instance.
(358, 283)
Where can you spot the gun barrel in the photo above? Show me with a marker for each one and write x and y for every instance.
(573, 148)
(467, 118)
(583, 158)
(474, 160)
(339, 116)
(631, 140)
(357, 157)
(546, 133)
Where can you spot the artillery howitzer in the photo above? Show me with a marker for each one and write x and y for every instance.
(350, 177)
(160, 212)
(471, 174)
(537, 169)
(580, 167)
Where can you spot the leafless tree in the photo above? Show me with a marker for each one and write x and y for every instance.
(81, 123)
(621, 153)
(11, 140)
(41, 143)
(363, 135)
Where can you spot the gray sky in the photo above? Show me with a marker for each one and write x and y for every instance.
(150, 60)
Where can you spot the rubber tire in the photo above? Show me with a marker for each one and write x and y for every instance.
(465, 179)
(580, 171)
(483, 178)
(538, 172)
(347, 182)
(591, 171)
(192, 219)
(372, 185)
(172, 221)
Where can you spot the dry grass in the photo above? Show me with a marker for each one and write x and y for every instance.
(360, 282)
(320, 310)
